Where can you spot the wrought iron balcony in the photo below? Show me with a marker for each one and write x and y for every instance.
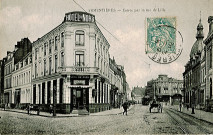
(78, 70)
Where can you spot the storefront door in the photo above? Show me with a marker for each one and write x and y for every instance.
(79, 98)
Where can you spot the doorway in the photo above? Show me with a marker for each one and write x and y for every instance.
(79, 98)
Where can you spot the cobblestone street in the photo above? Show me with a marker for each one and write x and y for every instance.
(138, 121)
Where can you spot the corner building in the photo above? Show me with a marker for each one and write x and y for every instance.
(71, 67)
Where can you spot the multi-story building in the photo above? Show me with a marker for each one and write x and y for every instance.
(68, 68)
(71, 66)
(208, 96)
(118, 82)
(2, 80)
(165, 89)
(14, 79)
(21, 75)
(194, 74)
(8, 66)
(149, 91)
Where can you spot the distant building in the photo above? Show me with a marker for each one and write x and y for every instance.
(117, 78)
(165, 89)
(138, 94)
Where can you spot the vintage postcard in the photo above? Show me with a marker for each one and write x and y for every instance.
(106, 67)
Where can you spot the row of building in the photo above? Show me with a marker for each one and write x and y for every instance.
(70, 66)
(198, 72)
(164, 89)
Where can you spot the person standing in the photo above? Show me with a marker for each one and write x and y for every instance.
(125, 106)
(180, 106)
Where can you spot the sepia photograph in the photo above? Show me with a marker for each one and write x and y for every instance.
(106, 67)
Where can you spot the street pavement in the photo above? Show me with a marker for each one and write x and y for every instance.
(199, 114)
(138, 121)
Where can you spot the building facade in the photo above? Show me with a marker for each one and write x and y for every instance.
(118, 82)
(208, 96)
(21, 82)
(165, 89)
(2, 62)
(14, 79)
(194, 81)
(8, 67)
(70, 67)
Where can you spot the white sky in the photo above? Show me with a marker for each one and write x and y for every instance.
(34, 18)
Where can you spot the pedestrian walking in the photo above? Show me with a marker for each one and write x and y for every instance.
(180, 106)
(125, 106)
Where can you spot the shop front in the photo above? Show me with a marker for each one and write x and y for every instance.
(79, 93)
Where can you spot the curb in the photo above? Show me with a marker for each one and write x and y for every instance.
(62, 115)
(192, 116)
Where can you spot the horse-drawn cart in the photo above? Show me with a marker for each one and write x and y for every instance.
(157, 105)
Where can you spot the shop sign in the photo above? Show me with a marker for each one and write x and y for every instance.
(79, 82)
(79, 17)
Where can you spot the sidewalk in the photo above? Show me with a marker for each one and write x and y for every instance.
(199, 114)
(114, 111)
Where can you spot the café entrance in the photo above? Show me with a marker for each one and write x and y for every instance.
(79, 98)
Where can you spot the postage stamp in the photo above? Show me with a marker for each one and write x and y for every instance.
(161, 35)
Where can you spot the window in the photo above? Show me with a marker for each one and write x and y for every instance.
(56, 43)
(26, 61)
(210, 64)
(30, 60)
(45, 64)
(50, 46)
(24, 78)
(95, 60)
(79, 38)
(62, 59)
(45, 45)
(36, 51)
(101, 48)
(79, 58)
(165, 90)
(35, 70)
(29, 77)
(50, 65)
(56, 63)
(62, 39)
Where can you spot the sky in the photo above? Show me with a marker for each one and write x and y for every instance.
(124, 21)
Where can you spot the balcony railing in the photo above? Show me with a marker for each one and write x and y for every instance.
(78, 69)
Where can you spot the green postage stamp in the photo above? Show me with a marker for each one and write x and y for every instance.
(161, 45)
